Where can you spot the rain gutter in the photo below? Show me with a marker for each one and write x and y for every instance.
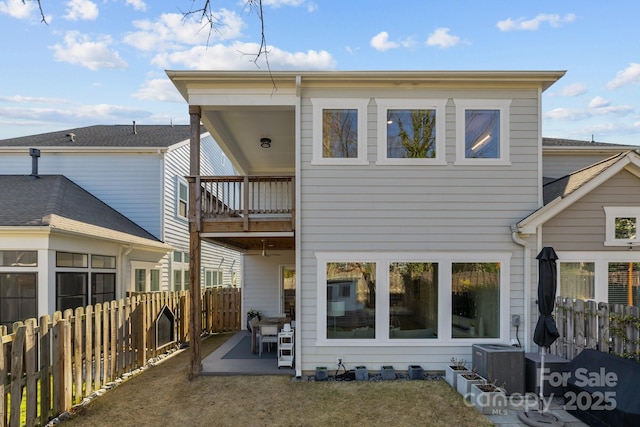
(526, 258)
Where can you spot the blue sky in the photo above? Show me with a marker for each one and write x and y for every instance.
(104, 61)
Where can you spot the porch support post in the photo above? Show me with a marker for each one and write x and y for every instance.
(195, 306)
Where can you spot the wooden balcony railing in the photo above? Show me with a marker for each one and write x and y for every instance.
(244, 203)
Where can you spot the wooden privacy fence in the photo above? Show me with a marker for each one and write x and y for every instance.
(49, 365)
(610, 328)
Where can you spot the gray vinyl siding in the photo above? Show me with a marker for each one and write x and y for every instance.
(581, 227)
(129, 183)
(387, 208)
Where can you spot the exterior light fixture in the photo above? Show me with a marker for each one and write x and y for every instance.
(265, 142)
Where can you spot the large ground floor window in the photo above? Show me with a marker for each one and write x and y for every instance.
(411, 297)
(18, 297)
(612, 277)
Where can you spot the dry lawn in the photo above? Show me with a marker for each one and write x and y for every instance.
(163, 396)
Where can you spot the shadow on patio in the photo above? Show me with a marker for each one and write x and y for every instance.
(234, 357)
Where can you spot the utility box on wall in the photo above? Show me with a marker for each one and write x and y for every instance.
(501, 363)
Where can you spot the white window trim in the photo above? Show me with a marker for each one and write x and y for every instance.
(503, 106)
(601, 261)
(181, 181)
(382, 261)
(613, 212)
(438, 105)
(147, 266)
(214, 272)
(359, 104)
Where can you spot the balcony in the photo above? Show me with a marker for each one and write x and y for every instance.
(240, 211)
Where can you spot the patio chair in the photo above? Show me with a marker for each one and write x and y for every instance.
(268, 335)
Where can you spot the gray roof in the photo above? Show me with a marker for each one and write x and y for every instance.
(55, 201)
(106, 136)
(563, 142)
(566, 185)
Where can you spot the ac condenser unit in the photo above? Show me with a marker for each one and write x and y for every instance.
(501, 363)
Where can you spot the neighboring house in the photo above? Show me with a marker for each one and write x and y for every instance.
(137, 172)
(407, 187)
(53, 231)
(591, 218)
(564, 156)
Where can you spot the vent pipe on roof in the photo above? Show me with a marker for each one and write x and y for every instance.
(135, 129)
(72, 136)
(34, 153)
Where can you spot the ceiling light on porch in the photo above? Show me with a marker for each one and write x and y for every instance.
(265, 142)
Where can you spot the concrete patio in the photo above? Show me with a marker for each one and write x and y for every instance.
(234, 357)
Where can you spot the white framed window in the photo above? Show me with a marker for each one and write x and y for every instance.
(367, 299)
(145, 276)
(622, 225)
(482, 131)
(182, 198)
(339, 131)
(18, 285)
(180, 271)
(610, 276)
(411, 131)
(212, 277)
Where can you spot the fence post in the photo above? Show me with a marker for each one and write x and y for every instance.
(62, 365)
(77, 353)
(30, 347)
(603, 327)
(3, 379)
(17, 354)
(45, 373)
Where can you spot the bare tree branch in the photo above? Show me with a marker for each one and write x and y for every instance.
(44, 19)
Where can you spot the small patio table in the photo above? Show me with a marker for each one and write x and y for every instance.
(280, 321)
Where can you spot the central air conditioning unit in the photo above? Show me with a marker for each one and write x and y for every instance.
(502, 364)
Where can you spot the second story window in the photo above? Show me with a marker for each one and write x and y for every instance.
(182, 198)
(622, 225)
(482, 131)
(411, 131)
(339, 131)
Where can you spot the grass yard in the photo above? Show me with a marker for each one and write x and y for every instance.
(163, 395)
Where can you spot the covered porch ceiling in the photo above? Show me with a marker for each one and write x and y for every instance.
(240, 130)
(255, 243)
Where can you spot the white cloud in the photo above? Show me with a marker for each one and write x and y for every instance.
(533, 24)
(75, 114)
(441, 38)
(17, 9)
(279, 3)
(173, 31)
(78, 49)
(599, 102)
(137, 5)
(381, 42)
(32, 99)
(81, 9)
(241, 56)
(159, 90)
(630, 75)
(597, 107)
(575, 89)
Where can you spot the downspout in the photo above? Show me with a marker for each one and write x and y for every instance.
(526, 258)
(298, 246)
(126, 250)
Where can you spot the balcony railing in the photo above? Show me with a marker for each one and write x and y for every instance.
(244, 203)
